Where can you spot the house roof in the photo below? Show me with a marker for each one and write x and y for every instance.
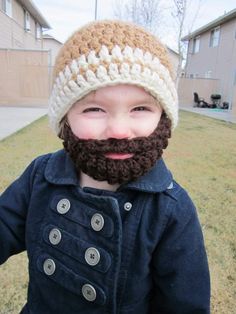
(50, 37)
(220, 20)
(34, 11)
(172, 50)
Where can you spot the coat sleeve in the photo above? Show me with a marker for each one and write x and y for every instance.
(180, 267)
(14, 203)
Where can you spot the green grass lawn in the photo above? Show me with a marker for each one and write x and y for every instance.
(202, 156)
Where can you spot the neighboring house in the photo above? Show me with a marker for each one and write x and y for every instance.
(211, 61)
(21, 25)
(53, 45)
(25, 65)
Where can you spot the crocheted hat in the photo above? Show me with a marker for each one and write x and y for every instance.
(105, 53)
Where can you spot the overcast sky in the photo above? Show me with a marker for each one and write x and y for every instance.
(64, 16)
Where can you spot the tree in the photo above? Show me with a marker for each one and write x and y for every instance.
(146, 13)
(169, 18)
(179, 14)
(181, 9)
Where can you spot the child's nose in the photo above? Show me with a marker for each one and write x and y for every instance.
(118, 128)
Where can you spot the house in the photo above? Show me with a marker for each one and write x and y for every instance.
(211, 62)
(53, 45)
(24, 63)
(21, 25)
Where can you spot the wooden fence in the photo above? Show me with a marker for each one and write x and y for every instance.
(25, 77)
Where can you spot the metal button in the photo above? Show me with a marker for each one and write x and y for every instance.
(170, 187)
(49, 267)
(127, 206)
(92, 256)
(55, 236)
(97, 222)
(89, 293)
(63, 206)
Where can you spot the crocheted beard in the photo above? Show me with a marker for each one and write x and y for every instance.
(89, 155)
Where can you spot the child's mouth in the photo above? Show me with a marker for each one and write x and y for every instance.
(118, 155)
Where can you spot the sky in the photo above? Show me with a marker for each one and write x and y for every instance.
(65, 16)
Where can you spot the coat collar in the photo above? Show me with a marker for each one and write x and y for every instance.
(60, 170)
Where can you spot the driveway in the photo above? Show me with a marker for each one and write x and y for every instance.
(219, 114)
(12, 119)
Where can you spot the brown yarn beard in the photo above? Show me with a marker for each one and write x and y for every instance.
(89, 155)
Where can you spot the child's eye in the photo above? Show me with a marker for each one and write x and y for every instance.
(141, 108)
(93, 109)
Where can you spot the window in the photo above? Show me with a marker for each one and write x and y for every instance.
(215, 37)
(192, 76)
(196, 44)
(38, 31)
(208, 74)
(7, 7)
(27, 21)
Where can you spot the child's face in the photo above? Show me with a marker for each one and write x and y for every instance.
(121, 111)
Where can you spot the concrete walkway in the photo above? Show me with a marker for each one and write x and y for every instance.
(219, 114)
(12, 119)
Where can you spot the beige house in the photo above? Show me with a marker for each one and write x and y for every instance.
(21, 25)
(211, 62)
(53, 45)
(25, 64)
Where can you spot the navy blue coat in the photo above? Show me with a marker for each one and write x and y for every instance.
(137, 250)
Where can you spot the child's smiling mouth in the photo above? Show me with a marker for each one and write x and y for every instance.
(118, 155)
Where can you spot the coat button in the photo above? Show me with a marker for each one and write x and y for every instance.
(63, 206)
(49, 266)
(89, 293)
(170, 187)
(97, 222)
(92, 256)
(127, 206)
(55, 236)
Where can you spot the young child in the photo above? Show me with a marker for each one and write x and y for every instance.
(105, 226)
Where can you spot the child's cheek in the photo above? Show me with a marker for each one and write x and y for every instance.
(88, 131)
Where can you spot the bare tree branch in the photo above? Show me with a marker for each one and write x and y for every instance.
(180, 10)
(146, 13)
(158, 15)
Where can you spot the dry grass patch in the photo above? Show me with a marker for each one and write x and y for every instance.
(16, 153)
(202, 156)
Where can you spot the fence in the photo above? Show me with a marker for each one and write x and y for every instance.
(25, 77)
(204, 88)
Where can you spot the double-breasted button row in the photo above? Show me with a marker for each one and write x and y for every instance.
(88, 291)
(98, 221)
(92, 255)
(88, 254)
